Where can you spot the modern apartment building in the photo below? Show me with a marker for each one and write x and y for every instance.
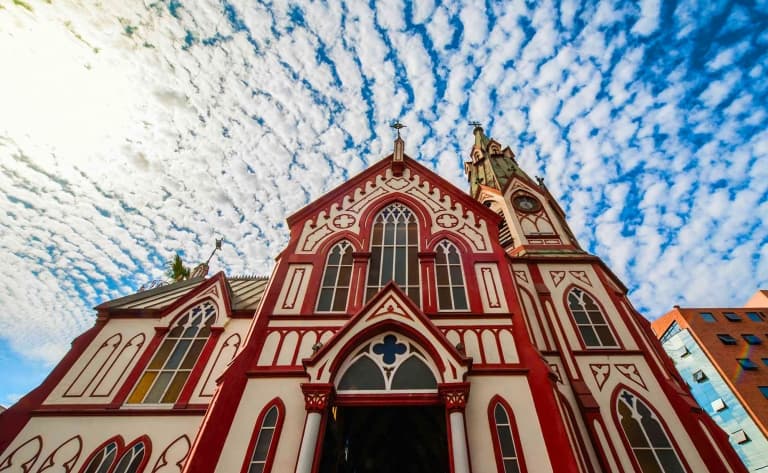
(722, 353)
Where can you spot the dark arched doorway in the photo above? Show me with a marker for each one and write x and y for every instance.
(391, 439)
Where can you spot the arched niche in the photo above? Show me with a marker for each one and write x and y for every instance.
(387, 363)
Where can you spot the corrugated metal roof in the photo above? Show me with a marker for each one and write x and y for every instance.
(246, 292)
(153, 298)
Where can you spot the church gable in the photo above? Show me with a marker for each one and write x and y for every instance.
(393, 328)
(350, 208)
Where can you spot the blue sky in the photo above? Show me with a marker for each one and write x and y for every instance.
(131, 130)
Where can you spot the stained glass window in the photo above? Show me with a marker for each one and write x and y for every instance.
(169, 369)
(390, 363)
(505, 440)
(131, 460)
(334, 288)
(394, 248)
(646, 436)
(264, 441)
(593, 328)
(105, 461)
(450, 279)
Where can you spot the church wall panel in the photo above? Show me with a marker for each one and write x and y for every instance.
(560, 280)
(92, 378)
(294, 290)
(258, 393)
(517, 393)
(93, 431)
(491, 293)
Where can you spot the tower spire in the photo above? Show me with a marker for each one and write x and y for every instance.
(398, 155)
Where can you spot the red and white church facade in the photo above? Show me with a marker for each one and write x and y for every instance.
(408, 326)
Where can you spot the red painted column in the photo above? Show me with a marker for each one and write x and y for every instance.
(428, 281)
(359, 275)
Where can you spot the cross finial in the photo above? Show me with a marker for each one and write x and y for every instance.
(397, 126)
(218, 247)
(475, 124)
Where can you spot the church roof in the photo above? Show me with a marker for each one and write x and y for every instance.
(245, 292)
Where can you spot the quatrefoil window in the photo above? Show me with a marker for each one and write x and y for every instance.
(387, 364)
(389, 349)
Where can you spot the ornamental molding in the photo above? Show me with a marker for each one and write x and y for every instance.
(446, 213)
(317, 396)
(454, 396)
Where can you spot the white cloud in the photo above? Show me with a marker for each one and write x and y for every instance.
(649, 17)
(185, 129)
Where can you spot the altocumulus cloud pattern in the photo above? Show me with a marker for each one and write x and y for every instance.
(131, 130)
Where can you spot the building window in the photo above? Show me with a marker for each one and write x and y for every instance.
(450, 280)
(334, 289)
(699, 376)
(646, 436)
(726, 339)
(264, 440)
(765, 361)
(763, 390)
(718, 405)
(740, 437)
(105, 459)
(751, 339)
(506, 441)
(746, 363)
(754, 316)
(590, 321)
(172, 364)
(394, 247)
(707, 316)
(732, 317)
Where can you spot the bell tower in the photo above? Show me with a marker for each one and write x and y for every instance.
(533, 221)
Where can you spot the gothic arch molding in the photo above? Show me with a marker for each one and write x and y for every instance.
(566, 292)
(615, 416)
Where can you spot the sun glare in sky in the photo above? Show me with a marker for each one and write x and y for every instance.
(130, 131)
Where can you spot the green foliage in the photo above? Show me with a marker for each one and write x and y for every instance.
(176, 270)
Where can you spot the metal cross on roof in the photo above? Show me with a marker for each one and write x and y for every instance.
(397, 126)
(475, 124)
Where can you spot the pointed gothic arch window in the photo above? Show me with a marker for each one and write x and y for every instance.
(110, 459)
(334, 289)
(166, 374)
(451, 294)
(394, 248)
(505, 437)
(388, 363)
(646, 436)
(589, 318)
(264, 439)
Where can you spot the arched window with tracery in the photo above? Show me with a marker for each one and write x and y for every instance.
(113, 458)
(593, 328)
(451, 294)
(264, 439)
(389, 362)
(646, 436)
(506, 441)
(394, 248)
(334, 289)
(173, 362)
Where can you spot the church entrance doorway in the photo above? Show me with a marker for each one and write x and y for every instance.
(391, 439)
